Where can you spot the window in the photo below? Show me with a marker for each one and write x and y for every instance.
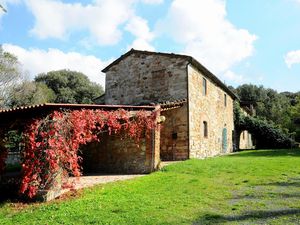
(225, 100)
(204, 87)
(205, 129)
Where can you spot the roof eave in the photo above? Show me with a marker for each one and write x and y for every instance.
(118, 60)
(56, 106)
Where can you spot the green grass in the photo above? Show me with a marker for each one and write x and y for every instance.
(252, 187)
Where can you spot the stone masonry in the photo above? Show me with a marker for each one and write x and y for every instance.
(209, 108)
(246, 141)
(141, 78)
(117, 153)
(174, 142)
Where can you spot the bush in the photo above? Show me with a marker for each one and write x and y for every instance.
(265, 134)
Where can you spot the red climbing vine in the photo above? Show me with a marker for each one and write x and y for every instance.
(52, 143)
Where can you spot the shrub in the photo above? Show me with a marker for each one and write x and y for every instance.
(265, 134)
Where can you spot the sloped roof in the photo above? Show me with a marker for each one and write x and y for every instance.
(190, 59)
(48, 107)
(53, 106)
(169, 105)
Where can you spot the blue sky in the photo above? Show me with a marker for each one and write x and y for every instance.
(240, 41)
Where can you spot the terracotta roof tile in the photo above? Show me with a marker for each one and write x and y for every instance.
(168, 105)
(74, 106)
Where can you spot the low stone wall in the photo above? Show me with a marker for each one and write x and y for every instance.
(246, 140)
(119, 154)
(51, 192)
(174, 135)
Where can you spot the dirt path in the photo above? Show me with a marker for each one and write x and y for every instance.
(94, 179)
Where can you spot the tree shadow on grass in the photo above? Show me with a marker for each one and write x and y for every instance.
(250, 215)
(268, 153)
(292, 182)
(275, 196)
(260, 196)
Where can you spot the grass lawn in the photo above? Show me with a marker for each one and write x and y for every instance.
(252, 187)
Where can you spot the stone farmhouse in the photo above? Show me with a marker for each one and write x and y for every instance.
(197, 109)
(202, 126)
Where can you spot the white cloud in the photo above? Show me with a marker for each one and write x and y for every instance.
(102, 18)
(139, 28)
(292, 57)
(232, 76)
(141, 44)
(205, 32)
(36, 61)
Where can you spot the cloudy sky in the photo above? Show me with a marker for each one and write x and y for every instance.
(249, 41)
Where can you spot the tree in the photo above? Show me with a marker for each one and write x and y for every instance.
(295, 114)
(70, 86)
(10, 75)
(251, 93)
(269, 104)
(266, 134)
(30, 93)
(293, 97)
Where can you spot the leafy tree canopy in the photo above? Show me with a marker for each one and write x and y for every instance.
(269, 104)
(295, 115)
(266, 134)
(70, 86)
(30, 93)
(10, 75)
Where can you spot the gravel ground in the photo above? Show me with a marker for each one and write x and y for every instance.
(93, 179)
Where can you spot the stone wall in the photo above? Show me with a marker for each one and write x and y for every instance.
(140, 79)
(120, 154)
(246, 140)
(174, 135)
(211, 109)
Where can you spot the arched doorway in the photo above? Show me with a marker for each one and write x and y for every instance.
(246, 141)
